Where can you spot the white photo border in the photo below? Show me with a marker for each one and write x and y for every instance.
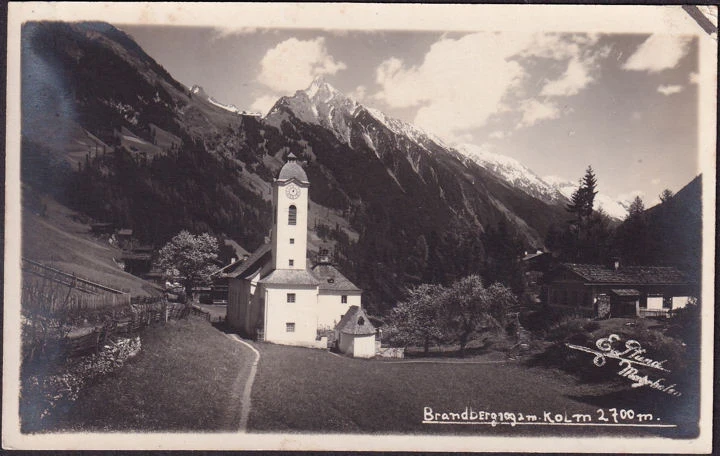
(550, 18)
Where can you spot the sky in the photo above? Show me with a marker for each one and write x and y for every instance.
(625, 104)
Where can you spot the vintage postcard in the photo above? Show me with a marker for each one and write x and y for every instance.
(360, 227)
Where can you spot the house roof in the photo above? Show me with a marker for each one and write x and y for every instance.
(141, 256)
(240, 267)
(625, 292)
(239, 251)
(642, 275)
(331, 279)
(530, 256)
(355, 321)
(290, 277)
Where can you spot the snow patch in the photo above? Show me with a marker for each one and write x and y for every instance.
(614, 207)
(513, 172)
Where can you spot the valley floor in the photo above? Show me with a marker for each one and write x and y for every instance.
(192, 377)
(306, 390)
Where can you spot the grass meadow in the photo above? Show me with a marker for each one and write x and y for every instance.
(189, 376)
(305, 390)
(182, 380)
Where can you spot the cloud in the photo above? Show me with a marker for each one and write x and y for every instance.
(223, 32)
(533, 111)
(658, 53)
(629, 196)
(293, 64)
(458, 86)
(263, 103)
(694, 78)
(575, 78)
(463, 82)
(669, 89)
(359, 93)
(498, 134)
(655, 181)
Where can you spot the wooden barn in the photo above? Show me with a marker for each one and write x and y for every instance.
(615, 290)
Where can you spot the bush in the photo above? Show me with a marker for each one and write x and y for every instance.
(45, 391)
(569, 327)
(539, 321)
(585, 333)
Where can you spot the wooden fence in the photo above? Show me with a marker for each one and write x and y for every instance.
(143, 313)
(642, 312)
(67, 279)
(68, 315)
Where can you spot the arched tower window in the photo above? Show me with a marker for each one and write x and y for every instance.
(292, 215)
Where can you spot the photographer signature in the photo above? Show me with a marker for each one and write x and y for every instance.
(630, 359)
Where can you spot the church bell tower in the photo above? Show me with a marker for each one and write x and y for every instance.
(290, 204)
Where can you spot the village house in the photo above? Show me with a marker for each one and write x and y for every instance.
(618, 291)
(220, 285)
(273, 294)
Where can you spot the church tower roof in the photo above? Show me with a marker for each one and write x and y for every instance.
(292, 170)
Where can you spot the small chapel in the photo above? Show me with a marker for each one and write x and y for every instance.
(274, 294)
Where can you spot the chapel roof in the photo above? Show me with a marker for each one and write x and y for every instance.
(292, 170)
(355, 321)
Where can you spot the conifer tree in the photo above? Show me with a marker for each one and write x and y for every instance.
(636, 207)
(666, 195)
(576, 201)
(583, 198)
(589, 190)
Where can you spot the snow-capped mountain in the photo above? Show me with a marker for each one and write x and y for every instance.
(402, 159)
(320, 104)
(324, 105)
(514, 173)
(615, 208)
(198, 92)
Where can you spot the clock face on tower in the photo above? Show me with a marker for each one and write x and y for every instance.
(292, 191)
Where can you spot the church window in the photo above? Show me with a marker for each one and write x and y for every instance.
(290, 327)
(292, 215)
(291, 297)
(292, 240)
(343, 299)
(291, 262)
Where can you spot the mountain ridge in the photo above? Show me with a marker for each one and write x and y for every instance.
(396, 205)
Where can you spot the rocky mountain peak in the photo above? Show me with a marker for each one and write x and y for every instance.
(199, 91)
(319, 104)
(320, 91)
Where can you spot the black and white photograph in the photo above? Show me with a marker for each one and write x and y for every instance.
(360, 227)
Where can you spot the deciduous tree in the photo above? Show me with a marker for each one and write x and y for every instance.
(471, 309)
(189, 258)
(418, 319)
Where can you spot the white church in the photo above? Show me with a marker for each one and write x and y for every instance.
(275, 295)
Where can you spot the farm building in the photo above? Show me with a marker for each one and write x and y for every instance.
(220, 278)
(355, 334)
(273, 294)
(125, 238)
(615, 290)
